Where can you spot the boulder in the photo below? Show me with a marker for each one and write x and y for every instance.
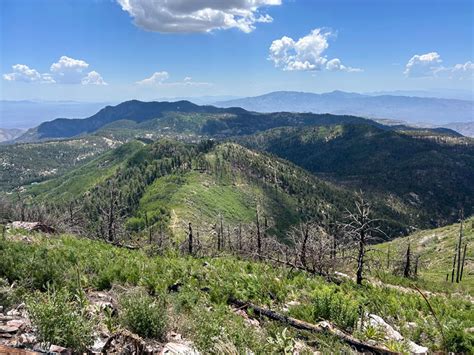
(33, 226)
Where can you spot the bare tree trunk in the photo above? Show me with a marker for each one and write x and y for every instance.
(388, 258)
(322, 327)
(416, 266)
(454, 267)
(406, 271)
(360, 259)
(458, 270)
(303, 245)
(190, 239)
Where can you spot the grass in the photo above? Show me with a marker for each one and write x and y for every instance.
(200, 198)
(200, 311)
(75, 183)
(435, 249)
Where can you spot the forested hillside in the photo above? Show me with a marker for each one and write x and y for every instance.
(183, 118)
(163, 186)
(411, 171)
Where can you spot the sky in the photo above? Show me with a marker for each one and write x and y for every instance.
(112, 50)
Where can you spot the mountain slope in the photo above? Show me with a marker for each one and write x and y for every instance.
(130, 110)
(187, 121)
(430, 177)
(7, 134)
(411, 109)
(171, 184)
(465, 128)
(435, 249)
(180, 119)
(23, 164)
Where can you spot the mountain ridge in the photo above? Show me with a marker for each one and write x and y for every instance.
(409, 108)
(183, 116)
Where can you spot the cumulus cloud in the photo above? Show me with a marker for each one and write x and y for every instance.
(186, 16)
(429, 65)
(66, 70)
(306, 53)
(24, 73)
(93, 78)
(336, 65)
(423, 65)
(160, 79)
(156, 78)
(463, 71)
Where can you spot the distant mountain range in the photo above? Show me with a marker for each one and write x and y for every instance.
(465, 128)
(184, 117)
(414, 110)
(7, 134)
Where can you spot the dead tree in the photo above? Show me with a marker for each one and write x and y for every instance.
(312, 247)
(190, 239)
(360, 228)
(406, 270)
(458, 269)
(454, 267)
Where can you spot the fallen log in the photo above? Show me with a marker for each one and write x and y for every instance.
(321, 327)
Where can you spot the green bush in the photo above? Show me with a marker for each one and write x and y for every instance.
(60, 319)
(144, 315)
(335, 307)
(457, 340)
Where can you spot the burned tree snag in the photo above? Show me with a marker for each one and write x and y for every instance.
(458, 269)
(190, 239)
(406, 271)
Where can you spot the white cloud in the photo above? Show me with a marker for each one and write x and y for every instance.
(26, 74)
(336, 65)
(160, 79)
(157, 78)
(66, 70)
(93, 78)
(429, 65)
(306, 53)
(463, 71)
(185, 16)
(423, 65)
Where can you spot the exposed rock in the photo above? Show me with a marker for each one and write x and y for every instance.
(16, 323)
(179, 348)
(58, 349)
(32, 226)
(8, 329)
(391, 333)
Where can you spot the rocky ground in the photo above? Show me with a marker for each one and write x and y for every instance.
(18, 336)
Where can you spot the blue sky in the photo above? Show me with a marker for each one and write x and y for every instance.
(97, 50)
